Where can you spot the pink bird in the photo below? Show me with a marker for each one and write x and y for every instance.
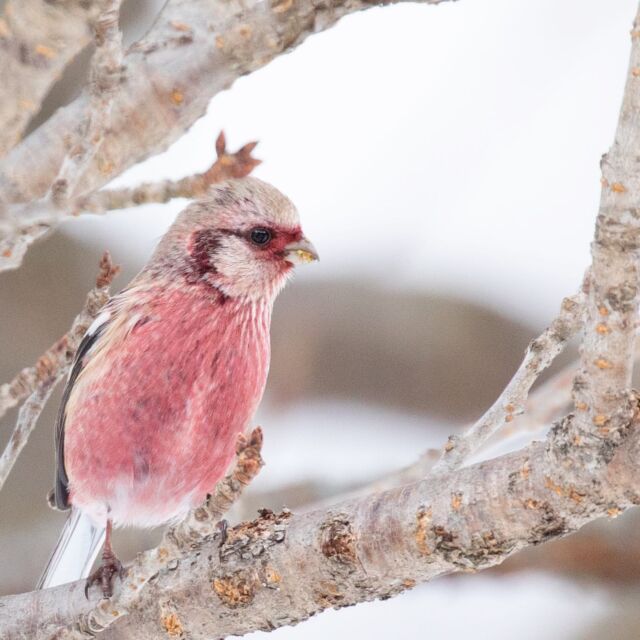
(171, 372)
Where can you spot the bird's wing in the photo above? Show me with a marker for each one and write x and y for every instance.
(61, 487)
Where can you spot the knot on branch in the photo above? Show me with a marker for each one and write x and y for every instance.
(237, 589)
(251, 539)
(583, 445)
(338, 540)
(482, 549)
(618, 232)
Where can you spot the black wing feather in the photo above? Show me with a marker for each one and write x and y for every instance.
(61, 487)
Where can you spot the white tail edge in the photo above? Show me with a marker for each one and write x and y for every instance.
(78, 545)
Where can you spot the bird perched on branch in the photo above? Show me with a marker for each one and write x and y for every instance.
(170, 373)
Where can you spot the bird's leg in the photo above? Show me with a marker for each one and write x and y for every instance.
(223, 527)
(108, 568)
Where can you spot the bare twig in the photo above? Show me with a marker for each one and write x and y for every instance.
(38, 381)
(105, 78)
(200, 525)
(227, 165)
(44, 212)
(201, 522)
(511, 402)
(27, 418)
(55, 361)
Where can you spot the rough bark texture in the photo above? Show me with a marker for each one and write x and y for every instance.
(280, 569)
(37, 41)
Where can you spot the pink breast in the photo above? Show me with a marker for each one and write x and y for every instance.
(155, 418)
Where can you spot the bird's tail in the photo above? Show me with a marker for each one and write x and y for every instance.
(75, 553)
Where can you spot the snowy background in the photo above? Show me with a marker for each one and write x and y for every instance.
(436, 153)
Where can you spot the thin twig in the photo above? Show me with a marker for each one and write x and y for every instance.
(511, 402)
(38, 382)
(201, 522)
(27, 417)
(105, 78)
(36, 217)
(55, 361)
(227, 165)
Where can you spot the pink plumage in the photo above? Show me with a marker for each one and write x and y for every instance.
(174, 368)
(153, 421)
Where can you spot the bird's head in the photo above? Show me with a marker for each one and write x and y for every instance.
(244, 238)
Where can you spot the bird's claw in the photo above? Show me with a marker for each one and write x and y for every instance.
(103, 575)
(223, 527)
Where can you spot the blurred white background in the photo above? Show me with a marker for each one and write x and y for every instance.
(453, 147)
(448, 150)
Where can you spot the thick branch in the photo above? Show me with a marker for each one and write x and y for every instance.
(279, 570)
(37, 41)
(180, 540)
(601, 388)
(196, 49)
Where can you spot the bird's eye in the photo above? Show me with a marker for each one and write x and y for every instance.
(260, 236)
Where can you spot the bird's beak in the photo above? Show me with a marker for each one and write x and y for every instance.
(300, 252)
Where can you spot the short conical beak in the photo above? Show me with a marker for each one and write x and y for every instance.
(300, 252)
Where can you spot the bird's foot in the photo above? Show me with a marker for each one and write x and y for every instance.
(103, 575)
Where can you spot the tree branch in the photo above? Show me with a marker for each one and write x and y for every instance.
(22, 225)
(601, 387)
(38, 381)
(106, 74)
(207, 45)
(280, 569)
(27, 417)
(539, 355)
(37, 41)
(227, 165)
